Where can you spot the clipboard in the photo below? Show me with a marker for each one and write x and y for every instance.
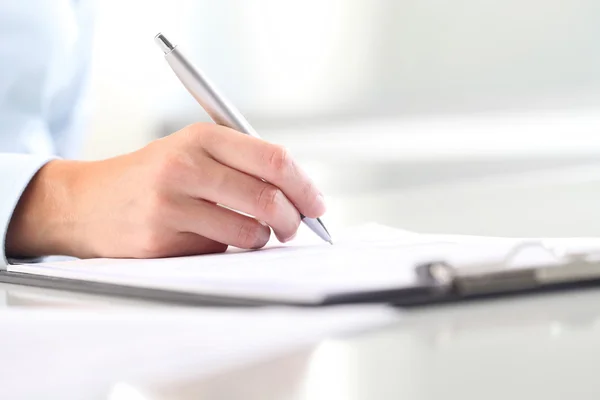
(568, 270)
(437, 281)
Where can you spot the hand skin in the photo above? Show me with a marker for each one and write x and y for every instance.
(174, 197)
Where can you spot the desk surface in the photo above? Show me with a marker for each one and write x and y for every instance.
(541, 346)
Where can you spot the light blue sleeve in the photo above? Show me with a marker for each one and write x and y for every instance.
(44, 67)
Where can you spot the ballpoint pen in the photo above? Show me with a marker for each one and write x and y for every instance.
(218, 107)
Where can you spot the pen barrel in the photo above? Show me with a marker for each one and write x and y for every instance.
(216, 105)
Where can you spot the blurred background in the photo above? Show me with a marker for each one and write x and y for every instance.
(469, 116)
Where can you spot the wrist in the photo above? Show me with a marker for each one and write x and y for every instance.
(43, 223)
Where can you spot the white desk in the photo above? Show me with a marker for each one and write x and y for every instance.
(537, 348)
(541, 346)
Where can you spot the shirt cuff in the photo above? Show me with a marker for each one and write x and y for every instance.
(16, 171)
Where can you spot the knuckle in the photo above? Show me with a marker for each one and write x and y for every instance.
(155, 205)
(279, 159)
(202, 134)
(167, 168)
(197, 130)
(267, 200)
(248, 234)
(178, 169)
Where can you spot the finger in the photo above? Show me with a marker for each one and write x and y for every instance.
(221, 184)
(267, 161)
(188, 244)
(221, 224)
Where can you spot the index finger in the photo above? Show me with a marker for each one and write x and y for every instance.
(267, 161)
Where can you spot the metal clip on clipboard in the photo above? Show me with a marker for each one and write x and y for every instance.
(568, 269)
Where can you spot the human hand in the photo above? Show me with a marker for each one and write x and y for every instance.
(176, 196)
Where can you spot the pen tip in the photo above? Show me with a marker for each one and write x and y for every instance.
(330, 242)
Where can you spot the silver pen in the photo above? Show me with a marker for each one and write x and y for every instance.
(218, 107)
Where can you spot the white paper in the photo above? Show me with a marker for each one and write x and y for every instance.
(370, 258)
(82, 354)
(297, 272)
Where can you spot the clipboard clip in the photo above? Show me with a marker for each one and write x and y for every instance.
(566, 268)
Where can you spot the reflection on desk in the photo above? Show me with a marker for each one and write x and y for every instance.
(543, 346)
(87, 352)
(540, 346)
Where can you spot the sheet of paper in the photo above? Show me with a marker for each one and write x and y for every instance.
(81, 354)
(364, 259)
(359, 261)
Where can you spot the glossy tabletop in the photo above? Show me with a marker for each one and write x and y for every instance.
(544, 347)
(538, 346)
